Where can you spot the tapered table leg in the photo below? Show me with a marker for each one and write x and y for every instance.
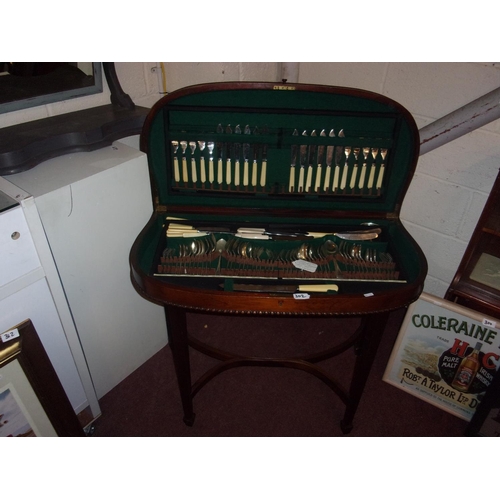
(178, 341)
(373, 329)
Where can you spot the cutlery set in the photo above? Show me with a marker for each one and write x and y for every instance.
(231, 162)
(335, 169)
(236, 160)
(192, 252)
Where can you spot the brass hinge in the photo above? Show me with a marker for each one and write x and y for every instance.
(392, 215)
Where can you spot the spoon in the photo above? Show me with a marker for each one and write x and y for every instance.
(330, 247)
(219, 247)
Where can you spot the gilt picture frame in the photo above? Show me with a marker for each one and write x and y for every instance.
(445, 354)
(32, 400)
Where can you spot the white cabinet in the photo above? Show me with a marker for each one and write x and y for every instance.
(25, 294)
(17, 250)
(92, 207)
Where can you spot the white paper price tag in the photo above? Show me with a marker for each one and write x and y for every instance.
(488, 322)
(305, 265)
(301, 296)
(11, 334)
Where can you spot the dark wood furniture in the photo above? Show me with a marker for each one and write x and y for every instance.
(26, 145)
(476, 284)
(363, 152)
(28, 350)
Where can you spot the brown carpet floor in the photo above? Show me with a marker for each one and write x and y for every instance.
(255, 401)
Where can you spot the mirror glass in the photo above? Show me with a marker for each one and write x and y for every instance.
(28, 84)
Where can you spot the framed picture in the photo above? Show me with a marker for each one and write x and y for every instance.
(445, 354)
(32, 400)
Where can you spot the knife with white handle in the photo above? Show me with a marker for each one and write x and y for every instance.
(211, 175)
(194, 176)
(246, 154)
(220, 130)
(261, 233)
(303, 159)
(383, 154)
(203, 174)
(329, 160)
(320, 288)
(185, 177)
(312, 153)
(352, 184)
(293, 162)
(263, 172)
(343, 182)
(229, 130)
(361, 183)
(237, 148)
(372, 168)
(339, 153)
(321, 154)
(255, 156)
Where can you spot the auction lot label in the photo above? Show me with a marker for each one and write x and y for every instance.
(445, 354)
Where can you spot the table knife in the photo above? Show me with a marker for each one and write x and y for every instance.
(210, 147)
(263, 172)
(329, 160)
(228, 156)
(312, 154)
(383, 154)
(262, 234)
(247, 287)
(194, 176)
(220, 130)
(356, 152)
(293, 162)
(347, 153)
(372, 168)
(203, 174)
(185, 177)
(321, 154)
(255, 157)
(362, 176)
(303, 159)
(246, 154)
(339, 153)
(237, 148)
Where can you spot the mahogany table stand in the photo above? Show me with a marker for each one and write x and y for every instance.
(365, 341)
